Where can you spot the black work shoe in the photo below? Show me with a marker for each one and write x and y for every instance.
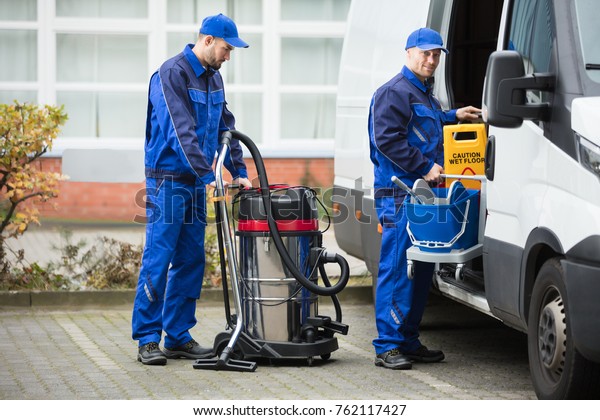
(393, 359)
(189, 350)
(424, 355)
(150, 354)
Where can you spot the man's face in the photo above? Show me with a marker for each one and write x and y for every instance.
(423, 63)
(217, 52)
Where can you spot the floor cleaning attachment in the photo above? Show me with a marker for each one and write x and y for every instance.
(274, 280)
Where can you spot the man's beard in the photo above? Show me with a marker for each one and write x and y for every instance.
(212, 62)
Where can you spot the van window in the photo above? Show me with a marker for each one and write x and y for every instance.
(532, 34)
(587, 12)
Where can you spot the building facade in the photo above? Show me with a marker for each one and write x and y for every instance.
(95, 57)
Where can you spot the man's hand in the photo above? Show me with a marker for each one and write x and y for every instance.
(244, 182)
(468, 113)
(434, 174)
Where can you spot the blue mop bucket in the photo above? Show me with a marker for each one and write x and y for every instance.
(442, 227)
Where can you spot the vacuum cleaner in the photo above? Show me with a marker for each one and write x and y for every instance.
(274, 281)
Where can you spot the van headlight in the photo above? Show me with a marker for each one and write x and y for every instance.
(589, 155)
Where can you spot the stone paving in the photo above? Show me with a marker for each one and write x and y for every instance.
(80, 352)
(84, 353)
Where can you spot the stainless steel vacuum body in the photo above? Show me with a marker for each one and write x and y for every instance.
(275, 305)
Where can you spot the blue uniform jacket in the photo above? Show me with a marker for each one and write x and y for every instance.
(405, 132)
(187, 113)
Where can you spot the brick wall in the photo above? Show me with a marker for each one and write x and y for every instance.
(121, 202)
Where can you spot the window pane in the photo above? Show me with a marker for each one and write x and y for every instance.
(176, 42)
(247, 12)
(101, 58)
(188, 11)
(314, 9)
(81, 110)
(102, 8)
(307, 116)
(543, 37)
(9, 96)
(322, 54)
(193, 11)
(104, 114)
(18, 10)
(532, 35)
(122, 114)
(245, 65)
(587, 13)
(247, 109)
(21, 47)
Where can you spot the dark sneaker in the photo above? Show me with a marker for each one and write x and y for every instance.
(189, 350)
(393, 359)
(424, 355)
(150, 354)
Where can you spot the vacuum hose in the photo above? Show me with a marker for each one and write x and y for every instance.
(279, 245)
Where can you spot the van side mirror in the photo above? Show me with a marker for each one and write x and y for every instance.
(505, 86)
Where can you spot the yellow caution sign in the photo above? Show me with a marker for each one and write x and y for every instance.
(464, 151)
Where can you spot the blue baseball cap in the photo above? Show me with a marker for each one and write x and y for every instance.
(221, 26)
(425, 39)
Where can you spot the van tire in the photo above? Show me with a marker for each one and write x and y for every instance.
(558, 370)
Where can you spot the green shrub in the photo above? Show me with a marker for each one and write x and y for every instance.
(105, 264)
(26, 133)
(32, 277)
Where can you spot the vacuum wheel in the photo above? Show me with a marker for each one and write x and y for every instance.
(236, 355)
(311, 359)
(458, 273)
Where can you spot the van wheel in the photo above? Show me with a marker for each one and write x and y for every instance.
(557, 369)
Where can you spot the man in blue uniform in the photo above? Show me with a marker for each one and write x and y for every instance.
(187, 113)
(406, 140)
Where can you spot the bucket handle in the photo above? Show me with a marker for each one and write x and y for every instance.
(439, 244)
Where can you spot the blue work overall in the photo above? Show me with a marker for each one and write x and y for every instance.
(186, 114)
(406, 139)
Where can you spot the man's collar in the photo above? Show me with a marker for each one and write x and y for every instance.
(193, 60)
(415, 80)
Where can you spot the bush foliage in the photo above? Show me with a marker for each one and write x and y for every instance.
(105, 264)
(26, 133)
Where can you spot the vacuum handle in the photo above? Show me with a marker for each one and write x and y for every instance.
(226, 138)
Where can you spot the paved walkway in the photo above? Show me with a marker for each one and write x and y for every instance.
(78, 353)
(89, 354)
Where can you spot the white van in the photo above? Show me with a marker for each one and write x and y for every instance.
(533, 66)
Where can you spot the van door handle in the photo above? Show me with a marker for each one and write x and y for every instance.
(490, 157)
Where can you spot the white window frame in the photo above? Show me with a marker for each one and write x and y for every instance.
(155, 27)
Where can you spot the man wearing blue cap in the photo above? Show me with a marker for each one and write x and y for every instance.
(406, 140)
(187, 113)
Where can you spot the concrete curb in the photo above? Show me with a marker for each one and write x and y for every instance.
(353, 295)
